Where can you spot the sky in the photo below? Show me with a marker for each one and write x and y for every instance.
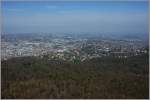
(75, 17)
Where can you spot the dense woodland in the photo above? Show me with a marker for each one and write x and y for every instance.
(33, 77)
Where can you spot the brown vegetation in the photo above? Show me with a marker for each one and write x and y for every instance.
(31, 77)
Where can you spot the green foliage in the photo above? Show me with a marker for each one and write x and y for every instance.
(33, 77)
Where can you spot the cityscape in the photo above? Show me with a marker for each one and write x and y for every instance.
(70, 48)
(89, 49)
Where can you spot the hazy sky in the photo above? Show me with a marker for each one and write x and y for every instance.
(99, 17)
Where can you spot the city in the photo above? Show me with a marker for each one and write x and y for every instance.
(71, 48)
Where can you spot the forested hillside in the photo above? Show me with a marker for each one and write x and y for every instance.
(33, 77)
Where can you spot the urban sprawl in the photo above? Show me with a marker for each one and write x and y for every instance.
(69, 48)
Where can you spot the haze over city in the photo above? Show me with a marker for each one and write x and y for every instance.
(75, 17)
